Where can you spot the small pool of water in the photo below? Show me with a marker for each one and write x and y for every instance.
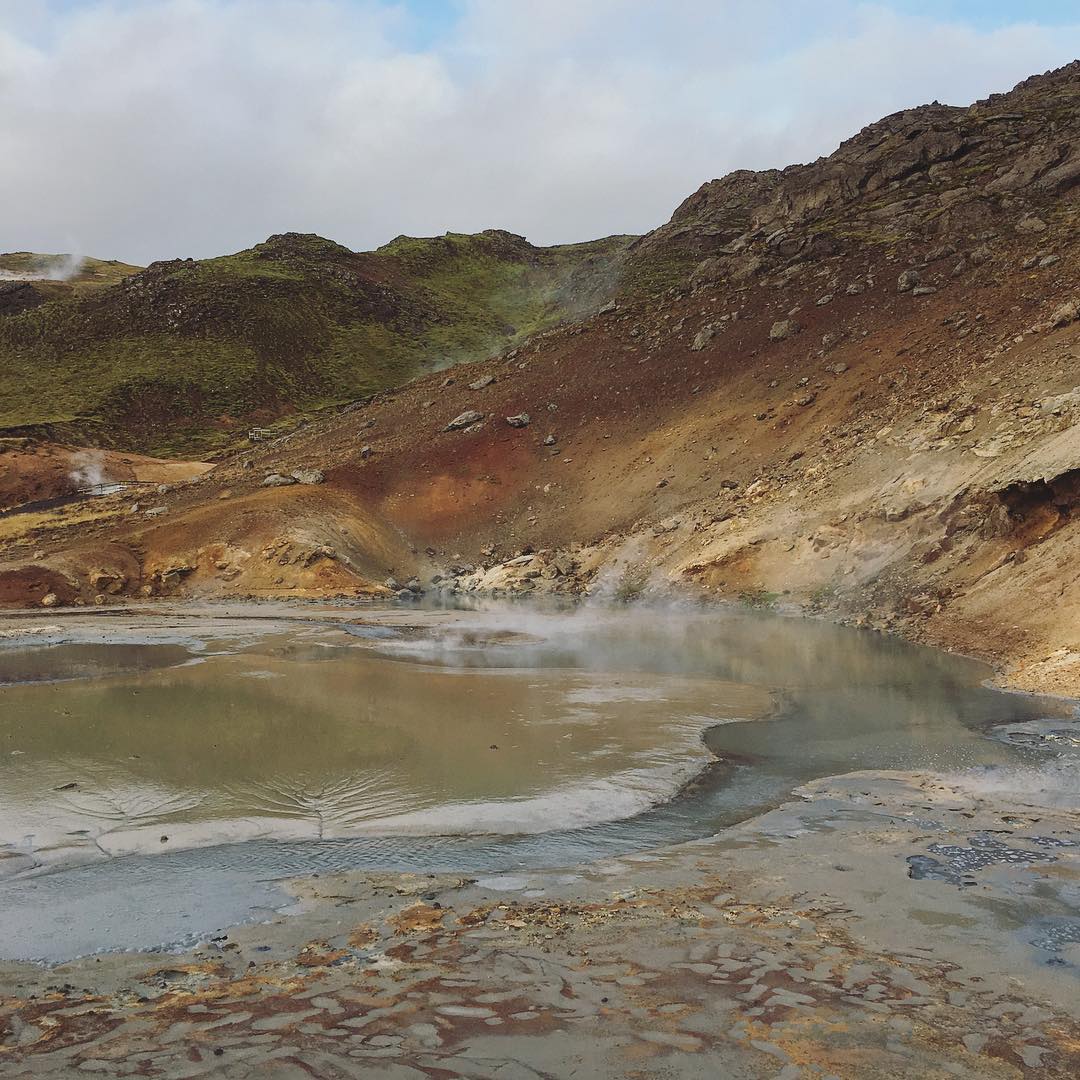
(434, 741)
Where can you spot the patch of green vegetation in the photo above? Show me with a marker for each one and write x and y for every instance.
(184, 356)
(656, 273)
(759, 597)
(632, 584)
(821, 597)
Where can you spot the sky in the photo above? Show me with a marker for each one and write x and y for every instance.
(147, 129)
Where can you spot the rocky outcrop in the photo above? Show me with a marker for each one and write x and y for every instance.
(912, 179)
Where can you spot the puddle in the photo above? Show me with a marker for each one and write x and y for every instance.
(494, 742)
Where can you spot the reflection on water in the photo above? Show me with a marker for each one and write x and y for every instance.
(304, 738)
(511, 722)
(486, 740)
(21, 664)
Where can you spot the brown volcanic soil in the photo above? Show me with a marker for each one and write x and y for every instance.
(31, 472)
(905, 457)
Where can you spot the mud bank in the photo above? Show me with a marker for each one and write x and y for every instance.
(798, 944)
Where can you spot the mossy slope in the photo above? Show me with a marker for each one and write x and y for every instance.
(184, 356)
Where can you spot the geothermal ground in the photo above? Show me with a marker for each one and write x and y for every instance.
(845, 390)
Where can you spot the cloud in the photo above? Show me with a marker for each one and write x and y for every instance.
(151, 129)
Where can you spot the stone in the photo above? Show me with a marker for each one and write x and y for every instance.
(519, 421)
(607, 308)
(703, 337)
(908, 280)
(276, 480)
(550, 440)
(836, 369)
(106, 581)
(365, 452)
(1031, 224)
(464, 420)
(923, 290)
(155, 511)
(1065, 314)
(50, 600)
(308, 476)
(783, 329)
(483, 381)
(174, 574)
(981, 254)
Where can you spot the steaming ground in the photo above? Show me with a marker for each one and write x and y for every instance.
(54, 268)
(559, 735)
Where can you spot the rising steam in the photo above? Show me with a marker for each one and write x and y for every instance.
(47, 268)
(89, 470)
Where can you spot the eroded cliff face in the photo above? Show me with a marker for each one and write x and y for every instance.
(849, 387)
(913, 179)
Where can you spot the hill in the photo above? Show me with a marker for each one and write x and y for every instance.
(28, 279)
(185, 356)
(848, 388)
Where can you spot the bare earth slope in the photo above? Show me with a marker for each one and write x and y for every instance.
(849, 386)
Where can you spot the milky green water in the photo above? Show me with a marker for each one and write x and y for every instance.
(483, 740)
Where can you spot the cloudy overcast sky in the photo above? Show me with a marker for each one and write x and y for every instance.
(143, 129)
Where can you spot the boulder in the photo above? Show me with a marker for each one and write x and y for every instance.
(908, 280)
(464, 420)
(1031, 224)
(703, 337)
(173, 575)
(519, 421)
(106, 581)
(308, 476)
(1065, 314)
(278, 480)
(783, 329)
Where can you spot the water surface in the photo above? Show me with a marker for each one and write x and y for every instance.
(486, 740)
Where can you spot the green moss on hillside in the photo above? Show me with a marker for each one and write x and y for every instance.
(183, 356)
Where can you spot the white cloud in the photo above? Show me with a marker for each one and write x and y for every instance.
(150, 129)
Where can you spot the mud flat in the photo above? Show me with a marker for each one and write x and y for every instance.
(878, 923)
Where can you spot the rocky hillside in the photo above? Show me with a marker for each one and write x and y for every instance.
(850, 387)
(930, 184)
(186, 356)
